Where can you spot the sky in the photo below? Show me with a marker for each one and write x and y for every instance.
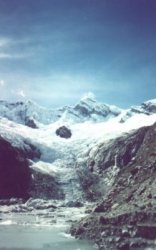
(55, 51)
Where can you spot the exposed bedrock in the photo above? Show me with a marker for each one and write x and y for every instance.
(15, 174)
(44, 186)
(98, 170)
(125, 216)
(18, 179)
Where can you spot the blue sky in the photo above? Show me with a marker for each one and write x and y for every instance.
(55, 51)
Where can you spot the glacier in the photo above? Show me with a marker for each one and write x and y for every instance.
(90, 122)
(81, 170)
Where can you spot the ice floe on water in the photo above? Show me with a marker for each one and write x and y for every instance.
(8, 222)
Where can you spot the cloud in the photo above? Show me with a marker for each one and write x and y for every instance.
(8, 41)
(2, 83)
(17, 93)
(4, 42)
(89, 95)
(5, 55)
(57, 89)
(21, 93)
(13, 56)
(10, 48)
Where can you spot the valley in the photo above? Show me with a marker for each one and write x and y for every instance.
(104, 172)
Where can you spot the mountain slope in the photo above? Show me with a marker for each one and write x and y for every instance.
(66, 160)
(87, 109)
(109, 158)
(127, 213)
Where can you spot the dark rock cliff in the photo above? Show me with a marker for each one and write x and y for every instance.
(44, 186)
(123, 149)
(97, 173)
(125, 218)
(18, 179)
(14, 168)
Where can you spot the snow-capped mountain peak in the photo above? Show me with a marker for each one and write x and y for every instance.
(149, 106)
(90, 109)
(89, 122)
(87, 109)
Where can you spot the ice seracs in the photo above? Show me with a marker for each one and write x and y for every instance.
(91, 123)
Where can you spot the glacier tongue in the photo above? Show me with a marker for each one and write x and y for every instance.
(60, 157)
(90, 123)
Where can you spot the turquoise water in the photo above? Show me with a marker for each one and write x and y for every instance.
(38, 237)
(33, 236)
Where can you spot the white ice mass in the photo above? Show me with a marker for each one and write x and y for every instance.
(90, 122)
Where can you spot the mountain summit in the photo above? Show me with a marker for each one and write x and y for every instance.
(87, 109)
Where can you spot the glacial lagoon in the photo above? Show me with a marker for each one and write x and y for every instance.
(34, 232)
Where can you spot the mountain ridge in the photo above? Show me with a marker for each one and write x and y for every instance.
(108, 161)
(87, 109)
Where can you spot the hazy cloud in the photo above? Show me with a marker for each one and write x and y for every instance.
(12, 56)
(4, 42)
(10, 48)
(55, 51)
(21, 93)
(2, 83)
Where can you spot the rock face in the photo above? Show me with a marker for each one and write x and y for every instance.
(98, 172)
(120, 151)
(88, 107)
(126, 216)
(64, 132)
(14, 168)
(30, 123)
(146, 108)
(149, 106)
(18, 180)
(44, 186)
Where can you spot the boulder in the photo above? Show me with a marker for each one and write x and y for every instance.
(64, 132)
(40, 204)
(74, 204)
